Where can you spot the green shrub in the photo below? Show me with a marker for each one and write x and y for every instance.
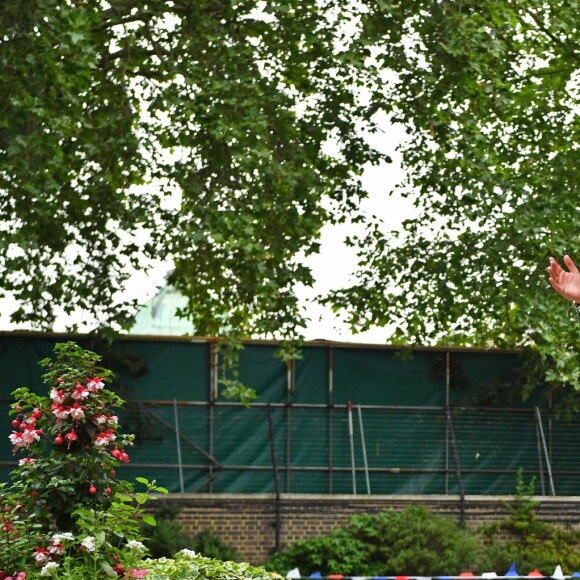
(412, 542)
(169, 537)
(65, 514)
(415, 542)
(524, 539)
(210, 545)
(65, 508)
(188, 566)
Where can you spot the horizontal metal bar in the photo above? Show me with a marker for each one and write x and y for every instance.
(407, 408)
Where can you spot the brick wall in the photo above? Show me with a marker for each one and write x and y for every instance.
(248, 522)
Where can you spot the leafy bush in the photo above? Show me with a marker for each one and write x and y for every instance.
(211, 545)
(65, 508)
(168, 537)
(66, 515)
(523, 538)
(412, 542)
(188, 566)
(416, 542)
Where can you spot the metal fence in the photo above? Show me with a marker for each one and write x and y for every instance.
(352, 449)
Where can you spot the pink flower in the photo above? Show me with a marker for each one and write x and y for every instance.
(41, 555)
(99, 419)
(134, 573)
(27, 460)
(77, 412)
(57, 396)
(95, 385)
(79, 392)
(30, 434)
(56, 549)
(105, 438)
(17, 440)
(60, 412)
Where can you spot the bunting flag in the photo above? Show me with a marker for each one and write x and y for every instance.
(511, 573)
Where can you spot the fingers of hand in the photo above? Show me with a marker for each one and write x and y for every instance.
(571, 266)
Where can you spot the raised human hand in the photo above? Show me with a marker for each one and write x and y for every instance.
(566, 283)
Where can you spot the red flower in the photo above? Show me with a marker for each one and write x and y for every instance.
(71, 437)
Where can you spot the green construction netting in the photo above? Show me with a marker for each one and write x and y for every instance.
(343, 418)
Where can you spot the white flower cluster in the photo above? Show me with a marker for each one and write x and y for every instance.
(58, 538)
(89, 544)
(136, 546)
(49, 569)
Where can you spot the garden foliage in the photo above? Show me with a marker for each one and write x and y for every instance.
(523, 538)
(415, 542)
(66, 514)
(412, 542)
(168, 536)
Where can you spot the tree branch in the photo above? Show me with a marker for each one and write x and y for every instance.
(550, 34)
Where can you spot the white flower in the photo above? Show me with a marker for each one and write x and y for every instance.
(187, 553)
(58, 538)
(136, 546)
(89, 543)
(49, 569)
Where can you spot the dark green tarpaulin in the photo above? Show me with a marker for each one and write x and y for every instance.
(380, 410)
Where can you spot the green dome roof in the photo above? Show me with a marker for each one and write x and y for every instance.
(158, 315)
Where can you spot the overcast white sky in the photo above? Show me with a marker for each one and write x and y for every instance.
(335, 264)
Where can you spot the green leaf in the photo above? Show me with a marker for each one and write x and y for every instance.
(107, 569)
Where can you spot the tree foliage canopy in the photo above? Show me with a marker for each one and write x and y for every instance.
(488, 92)
(227, 133)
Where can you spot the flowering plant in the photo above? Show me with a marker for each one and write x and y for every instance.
(65, 507)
